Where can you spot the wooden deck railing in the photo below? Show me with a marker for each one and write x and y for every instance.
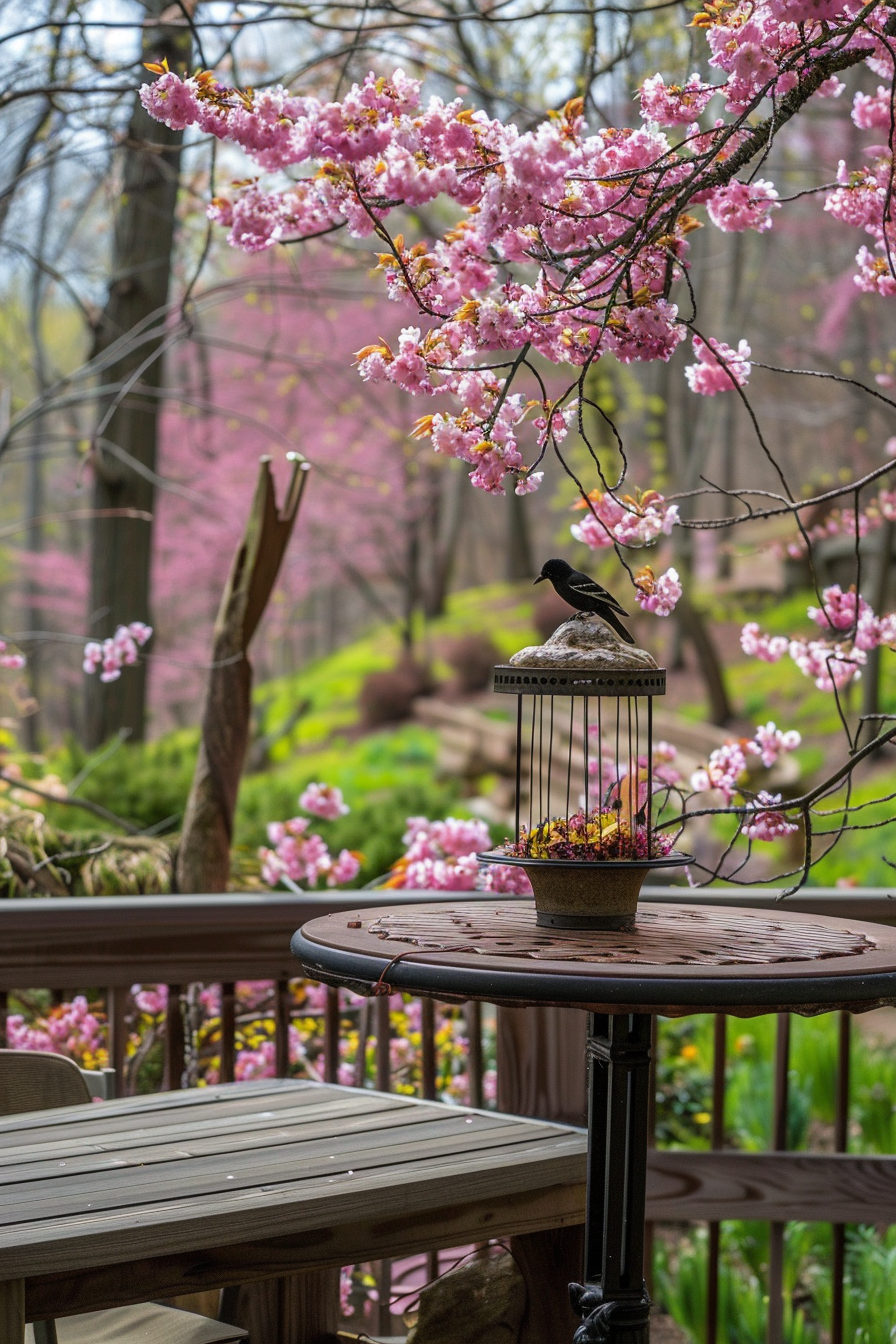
(112, 943)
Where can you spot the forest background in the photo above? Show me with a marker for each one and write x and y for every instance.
(118, 509)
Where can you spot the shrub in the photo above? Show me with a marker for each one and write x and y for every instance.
(472, 659)
(388, 697)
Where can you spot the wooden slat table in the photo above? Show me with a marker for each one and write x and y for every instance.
(178, 1192)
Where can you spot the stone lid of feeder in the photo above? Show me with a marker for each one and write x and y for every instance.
(582, 645)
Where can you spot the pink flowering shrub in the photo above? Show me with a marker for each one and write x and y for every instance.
(300, 856)
(71, 1029)
(323, 800)
(8, 659)
(441, 856)
(78, 1031)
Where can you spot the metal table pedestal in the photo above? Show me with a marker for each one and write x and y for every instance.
(613, 1300)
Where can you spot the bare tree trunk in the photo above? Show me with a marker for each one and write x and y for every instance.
(203, 861)
(518, 563)
(448, 528)
(877, 596)
(124, 450)
(694, 628)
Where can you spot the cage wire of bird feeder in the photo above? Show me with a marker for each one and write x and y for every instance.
(585, 792)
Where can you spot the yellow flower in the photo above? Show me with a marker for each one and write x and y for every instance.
(703, 1117)
(689, 1052)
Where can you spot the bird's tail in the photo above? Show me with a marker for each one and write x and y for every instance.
(614, 621)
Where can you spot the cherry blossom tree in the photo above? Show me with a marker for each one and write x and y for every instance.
(569, 244)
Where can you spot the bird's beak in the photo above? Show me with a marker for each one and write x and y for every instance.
(539, 579)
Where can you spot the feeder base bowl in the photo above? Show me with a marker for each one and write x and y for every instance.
(610, 923)
(584, 895)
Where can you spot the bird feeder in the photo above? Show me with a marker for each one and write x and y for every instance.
(585, 829)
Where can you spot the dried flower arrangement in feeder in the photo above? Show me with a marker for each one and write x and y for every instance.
(585, 809)
(592, 838)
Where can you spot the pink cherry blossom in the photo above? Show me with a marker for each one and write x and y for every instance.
(847, 612)
(743, 205)
(659, 596)
(874, 274)
(872, 111)
(770, 742)
(766, 820)
(805, 11)
(831, 666)
(718, 367)
(671, 105)
(723, 771)
(770, 648)
(637, 520)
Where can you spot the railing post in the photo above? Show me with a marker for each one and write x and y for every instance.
(331, 1036)
(775, 1331)
(841, 1144)
(473, 1016)
(282, 1015)
(173, 1070)
(383, 1034)
(717, 1141)
(651, 1143)
(360, 1077)
(228, 1032)
(428, 1049)
(116, 1002)
(4, 1013)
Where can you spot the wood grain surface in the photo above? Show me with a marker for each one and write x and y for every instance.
(91, 1187)
(772, 1187)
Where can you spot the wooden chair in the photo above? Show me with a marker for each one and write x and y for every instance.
(34, 1080)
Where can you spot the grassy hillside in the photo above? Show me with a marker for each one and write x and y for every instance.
(391, 774)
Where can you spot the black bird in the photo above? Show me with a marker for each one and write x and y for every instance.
(584, 594)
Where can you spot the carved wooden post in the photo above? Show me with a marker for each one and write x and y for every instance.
(203, 861)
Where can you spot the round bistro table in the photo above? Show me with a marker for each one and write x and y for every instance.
(676, 960)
